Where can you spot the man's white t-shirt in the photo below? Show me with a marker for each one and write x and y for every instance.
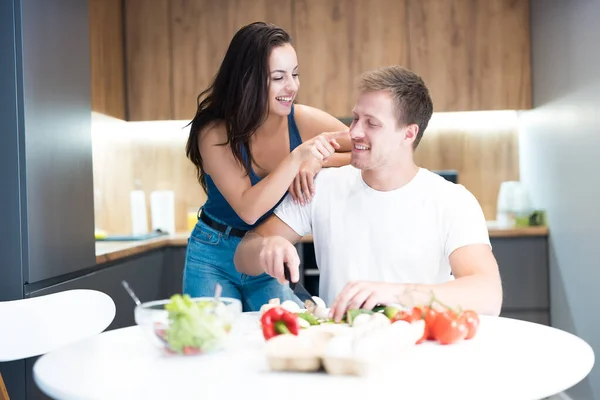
(404, 235)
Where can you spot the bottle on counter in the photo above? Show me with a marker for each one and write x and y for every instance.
(162, 209)
(192, 218)
(139, 216)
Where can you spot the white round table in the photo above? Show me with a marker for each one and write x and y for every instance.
(508, 359)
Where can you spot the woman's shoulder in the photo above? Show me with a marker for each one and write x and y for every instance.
(312, 121)
(213, 133)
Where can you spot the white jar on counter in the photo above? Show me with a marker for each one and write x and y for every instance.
(162, 209)
(513, 202)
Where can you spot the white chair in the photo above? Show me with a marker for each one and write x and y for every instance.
(38, 325)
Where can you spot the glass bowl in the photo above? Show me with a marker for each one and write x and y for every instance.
(188, 326)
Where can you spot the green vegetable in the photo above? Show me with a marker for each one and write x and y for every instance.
(390, 311)
(281, 328)
(194, 326)
(379, 308)
(311, 319)
(330, 321)
(351, 314)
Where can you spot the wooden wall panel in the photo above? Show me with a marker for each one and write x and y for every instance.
(474, 55)
(148, 60)
(484, 159)
(106, 57)
(196, 57)
(336, 40)
(378, 35)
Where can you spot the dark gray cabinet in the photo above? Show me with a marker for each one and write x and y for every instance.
(538, 317)
(172, 275)
(524, 270)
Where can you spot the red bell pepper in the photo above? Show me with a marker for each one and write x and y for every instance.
(277, 321)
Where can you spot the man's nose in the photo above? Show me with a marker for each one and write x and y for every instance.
(356, 132)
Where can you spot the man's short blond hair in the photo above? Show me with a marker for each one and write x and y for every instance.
(411, 97)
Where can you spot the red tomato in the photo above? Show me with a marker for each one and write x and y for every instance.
(417, 315)
(471, 319)
(190, 350)
(449, 328)
(429, 315)
(420, 313)
(403, 316)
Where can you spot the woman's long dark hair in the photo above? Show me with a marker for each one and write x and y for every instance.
(238, 95)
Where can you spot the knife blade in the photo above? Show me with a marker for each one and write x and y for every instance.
(298, 289)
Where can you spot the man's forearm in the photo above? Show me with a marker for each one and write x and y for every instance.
(247, 255)
(480, 293)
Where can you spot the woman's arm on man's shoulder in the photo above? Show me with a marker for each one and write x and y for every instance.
(312, 122)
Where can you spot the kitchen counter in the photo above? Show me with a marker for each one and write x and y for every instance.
(516, 232)
(111, 251)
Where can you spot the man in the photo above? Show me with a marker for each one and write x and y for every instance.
(384, 230)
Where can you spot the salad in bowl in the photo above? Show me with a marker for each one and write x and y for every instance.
(188, 326)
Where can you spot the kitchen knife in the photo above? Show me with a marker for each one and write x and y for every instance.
(298, 289)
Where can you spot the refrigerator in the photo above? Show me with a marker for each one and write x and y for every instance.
(46, 176)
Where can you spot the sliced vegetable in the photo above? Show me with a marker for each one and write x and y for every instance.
(351, 314)
(361, 319)
(311, 319)
(319, 302)
(320, 312)
(290, 306)
(302, 323)
(271, 304)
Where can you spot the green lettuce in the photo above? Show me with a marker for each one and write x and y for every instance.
(194, 326)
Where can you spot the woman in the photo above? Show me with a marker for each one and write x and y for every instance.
(249, 144)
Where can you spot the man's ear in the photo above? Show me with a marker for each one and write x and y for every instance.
(410, 134)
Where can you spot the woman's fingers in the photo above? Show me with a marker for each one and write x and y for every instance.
(305, 189)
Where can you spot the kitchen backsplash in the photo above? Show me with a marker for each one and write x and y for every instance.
(140, 155)
(481, 146)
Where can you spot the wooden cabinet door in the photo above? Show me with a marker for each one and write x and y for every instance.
(336, 40)
(473, 55)
(202, 30)
(106, 57)
(148, 60)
